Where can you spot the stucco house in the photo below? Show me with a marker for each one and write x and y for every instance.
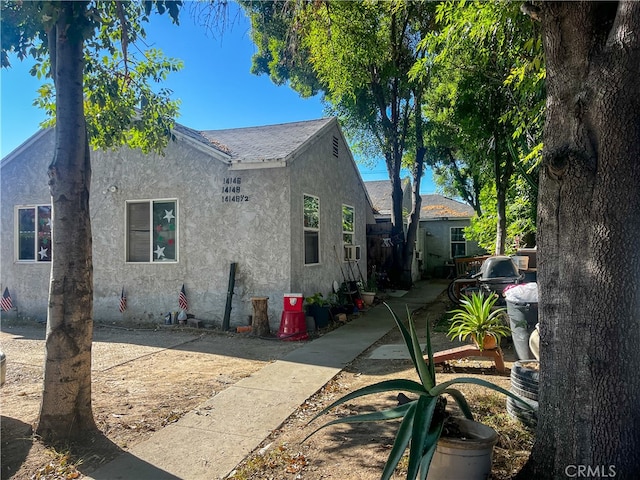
(440, 236)
(279, 201)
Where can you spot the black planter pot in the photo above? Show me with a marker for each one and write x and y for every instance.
(321, 314)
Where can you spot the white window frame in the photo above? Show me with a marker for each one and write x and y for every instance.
(453, 242)
(154, 258)
(310, 229)
(37, 255)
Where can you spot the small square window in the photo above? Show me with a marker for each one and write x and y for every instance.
(152, 231)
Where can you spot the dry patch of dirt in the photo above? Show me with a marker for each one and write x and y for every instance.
(142, 380)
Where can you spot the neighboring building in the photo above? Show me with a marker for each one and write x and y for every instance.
(280, 201)
(440, 236)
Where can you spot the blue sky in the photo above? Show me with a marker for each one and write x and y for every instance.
(215, 86)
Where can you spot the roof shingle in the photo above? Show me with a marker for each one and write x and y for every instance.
(264, 143)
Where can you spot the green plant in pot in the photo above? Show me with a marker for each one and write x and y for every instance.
(319, 308)
(478, 318)
(425, 420)
(368, 290)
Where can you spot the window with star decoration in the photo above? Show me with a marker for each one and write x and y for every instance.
(152, 231)
(34, 233)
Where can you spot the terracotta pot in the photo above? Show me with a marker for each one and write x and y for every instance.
(489, 342)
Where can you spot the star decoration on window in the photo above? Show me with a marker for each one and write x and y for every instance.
(49, 224)
(159, 251)
(168, 215)
(43, 253)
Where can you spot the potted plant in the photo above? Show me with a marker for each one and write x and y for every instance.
(368, 290)
(431, 431)
(478, 318)
(319, 308)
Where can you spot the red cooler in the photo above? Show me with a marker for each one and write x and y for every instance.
(293, 302)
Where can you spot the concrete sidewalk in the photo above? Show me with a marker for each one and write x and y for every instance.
(208, 442)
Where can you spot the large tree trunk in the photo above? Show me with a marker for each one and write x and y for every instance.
(416, 198)
(397, 221)
(589, 245)
(501, 207)
(65, 412)
(414, 221)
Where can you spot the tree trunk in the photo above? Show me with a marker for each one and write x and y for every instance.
(589, 244)
(412, 227)
(416, 199)
(501, 214)
(397, 227)
(65, 412)
(260, 324)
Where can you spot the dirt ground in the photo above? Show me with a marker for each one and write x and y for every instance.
(146, 379)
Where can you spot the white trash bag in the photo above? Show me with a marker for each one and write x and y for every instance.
(523, 293)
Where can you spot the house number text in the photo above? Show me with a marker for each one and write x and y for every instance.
(232, 191)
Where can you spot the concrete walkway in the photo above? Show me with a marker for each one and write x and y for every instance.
(210, 441)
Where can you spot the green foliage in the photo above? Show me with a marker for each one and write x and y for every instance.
(486, 101)
(423, 418)
(521, 217)
(359, 55)
(478, 318)
(122, 102)
(371, 285)
(317, 299)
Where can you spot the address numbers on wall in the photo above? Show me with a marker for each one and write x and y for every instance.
(233, 191)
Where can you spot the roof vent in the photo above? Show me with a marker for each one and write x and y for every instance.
(335, 146)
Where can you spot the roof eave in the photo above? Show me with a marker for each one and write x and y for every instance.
(266, 163)
(209, 150)
(23, 146)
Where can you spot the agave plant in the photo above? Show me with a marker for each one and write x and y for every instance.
(423, 418)
(478, 318)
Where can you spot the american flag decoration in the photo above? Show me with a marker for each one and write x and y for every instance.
(182, 299)
(7, 303)
(123, 301)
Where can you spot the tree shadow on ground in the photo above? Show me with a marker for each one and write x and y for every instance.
(64, 460)
(16, 443)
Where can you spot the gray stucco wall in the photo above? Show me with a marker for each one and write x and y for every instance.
(437, 245)
(213, 232)
(24, 183)
(262, 233)
(336, 182)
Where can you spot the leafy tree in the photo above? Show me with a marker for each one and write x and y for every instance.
(486, 109)
(588, 243)
(98, 83)
(520, 214)
(359, 55)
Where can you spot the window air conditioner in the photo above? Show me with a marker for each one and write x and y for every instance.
(351, 253)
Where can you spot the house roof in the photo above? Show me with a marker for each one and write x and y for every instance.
(380, 194)
(262, 146)
(250, 147)
(434, 206)
(439, 206)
